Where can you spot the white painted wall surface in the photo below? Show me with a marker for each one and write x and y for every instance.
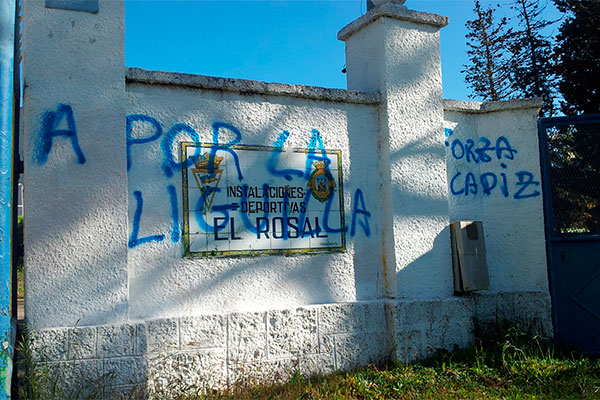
(105, 305)
(81, 215)
(76, 236)
(163, 283)
(513, 227)
(397, 52)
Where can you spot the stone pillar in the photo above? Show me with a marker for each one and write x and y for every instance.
(74, 113)
(396, 52)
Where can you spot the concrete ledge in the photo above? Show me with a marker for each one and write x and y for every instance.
(482, 107)
(394, 11)
(249, 87)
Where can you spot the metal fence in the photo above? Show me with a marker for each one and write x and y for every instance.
(572, 150)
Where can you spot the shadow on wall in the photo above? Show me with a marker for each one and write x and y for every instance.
(428, 282)
(363, 140)
(303, 276)
(415, 203)
(300, 276)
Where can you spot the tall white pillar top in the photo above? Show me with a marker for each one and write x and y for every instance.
(392, 10)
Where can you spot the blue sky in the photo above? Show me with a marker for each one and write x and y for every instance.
(275, 41)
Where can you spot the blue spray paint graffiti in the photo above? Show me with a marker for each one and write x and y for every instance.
(360, 208)
(175, 235)
(448, 132)
(291, 227)
(300, 226)
(51, 120)
(484, 183)
(129, 128)
(216, 127)
(284, 227)
(134, 240)
(246, 220)
(316, 143)
(473, 153)
(272, 162)
(326, 214)
(169, 164)
(525, 179)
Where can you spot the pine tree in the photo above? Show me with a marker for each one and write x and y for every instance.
(575, 149)
(578, 56)
(531, 61)
(488, 74)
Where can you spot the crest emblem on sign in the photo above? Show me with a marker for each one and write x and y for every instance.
(321, 183)
(208, 181)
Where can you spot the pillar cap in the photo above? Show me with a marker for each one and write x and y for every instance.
(394, 11)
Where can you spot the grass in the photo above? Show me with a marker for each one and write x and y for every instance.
(510, 365)
(506, 364)
(43, 381)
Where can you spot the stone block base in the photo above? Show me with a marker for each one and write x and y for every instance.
(189, 354)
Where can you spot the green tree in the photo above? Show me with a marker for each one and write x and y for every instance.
(575, 149)
(488, 41)
(578, 56)
(531, 62)
(575, 175)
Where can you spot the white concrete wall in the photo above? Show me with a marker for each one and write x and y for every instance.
(512, 213)
(104, 304)
(392, 150)
(76, 236)
(164, 283)
(397, 52)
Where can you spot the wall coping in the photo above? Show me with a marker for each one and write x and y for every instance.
(482, 107)
(394, 11)
(472, 297)
(250, 87)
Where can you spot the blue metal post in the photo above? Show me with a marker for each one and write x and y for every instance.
(7, 98)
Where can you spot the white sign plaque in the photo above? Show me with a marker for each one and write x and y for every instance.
(248, 200)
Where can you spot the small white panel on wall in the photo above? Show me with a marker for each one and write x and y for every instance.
(249, 200)
(468, 256)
